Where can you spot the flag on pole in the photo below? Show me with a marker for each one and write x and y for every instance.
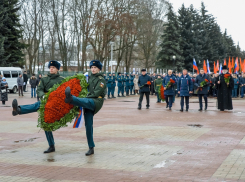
(215, 71)
(230, 66)
(220, 69)
(204, 67)
(236, 66)
(195, 65)
(241, 65)
(225, 61)
(208, 67)
(244, 66)
(217, 66)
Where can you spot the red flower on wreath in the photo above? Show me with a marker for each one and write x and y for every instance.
(56, 108)
(227, 76)
(148, 83)
(206, 80)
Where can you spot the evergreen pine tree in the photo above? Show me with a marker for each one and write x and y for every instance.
(11, 31)
(170, 45)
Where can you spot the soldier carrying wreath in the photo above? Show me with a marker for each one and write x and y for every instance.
(62, 90)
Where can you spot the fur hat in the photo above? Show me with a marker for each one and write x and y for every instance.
(96, 63)
(54, 63)
(224, 67)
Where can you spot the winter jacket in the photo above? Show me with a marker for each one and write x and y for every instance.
(33, 82)
(3, 92)
(199, 79)
(236, 83)
(136, 86)
(169, 90)
(120, 81)
(185, 85)
(20, 81)
(142, 83)
(25, 78)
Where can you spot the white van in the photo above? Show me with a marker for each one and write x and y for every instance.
(11, 74)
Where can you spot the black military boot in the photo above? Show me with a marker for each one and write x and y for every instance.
(170, 108)
(113, 97)
(68, 98)
(123, 96)
(90, 151)
(181, 110)
(50, 149)
(118, 95)
(16, 108)
(108, 97)
(167, 106)
(199, 109)
(147, 107)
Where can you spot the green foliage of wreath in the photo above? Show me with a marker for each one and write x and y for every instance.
(69, 116)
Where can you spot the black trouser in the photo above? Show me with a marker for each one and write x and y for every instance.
(3, 102)
(147, 99)
(186, 102)
(205, 96)
(24, 87)
(20, 88)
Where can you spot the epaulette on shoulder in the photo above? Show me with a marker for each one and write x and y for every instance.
(62, 77)
(100, 77)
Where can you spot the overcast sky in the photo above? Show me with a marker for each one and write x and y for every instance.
(230, 15)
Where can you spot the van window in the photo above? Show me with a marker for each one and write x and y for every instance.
(14, 74)
(6, 74)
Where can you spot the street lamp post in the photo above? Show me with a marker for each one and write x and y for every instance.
(174, 57)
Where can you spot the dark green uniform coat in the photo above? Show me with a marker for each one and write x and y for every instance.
(157, 84)
(48, 82)
(97, 86)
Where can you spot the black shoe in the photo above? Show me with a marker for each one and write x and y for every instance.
(147, 107)
(123, 96)
(166, 106)
(186, 110)
(16, 108)
(113, 97)
(90, 151)
(170, 108)
(68, 98)
(49, 150)
(199, 109)
(206, 108)
(118, 96)
(108, 97)
(181, 110)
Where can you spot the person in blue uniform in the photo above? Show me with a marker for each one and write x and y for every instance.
(185, 87)
(120, 83)
(127, 84)
(109, 85)
(202, 91)
(144, 89)
(124, 83)
(113, 85)
(169, 91)
(131, 84)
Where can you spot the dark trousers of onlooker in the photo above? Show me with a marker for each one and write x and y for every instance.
(24, 87)
(20, 88)
(169, 100)
(205, 96)
(147, 94)
(214, 92)
(242, 91)
(3, 102)
(186, 102)
(234, 92)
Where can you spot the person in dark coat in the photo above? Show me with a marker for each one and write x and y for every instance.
(242, 83)
(169, 91)
(38, 80)
(25, 79)
(127, 84)
(131, 82)
(185, 87)
(236, 85)
(202, 91)
(34, 84)
(153, 78)
(224, 90)
(120, 85)
(3, 90)
(109, 85)
(144, 88)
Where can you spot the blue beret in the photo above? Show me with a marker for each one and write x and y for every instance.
(96, 63)
(54, 63)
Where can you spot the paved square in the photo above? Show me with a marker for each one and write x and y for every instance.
(131, 145)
